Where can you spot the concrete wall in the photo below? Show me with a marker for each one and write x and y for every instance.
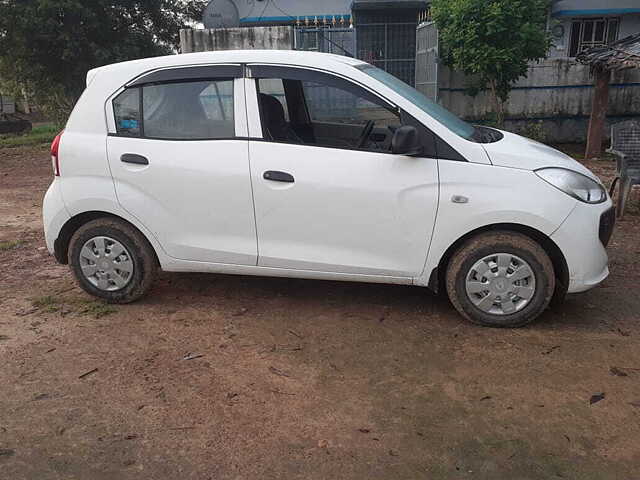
(241, 38)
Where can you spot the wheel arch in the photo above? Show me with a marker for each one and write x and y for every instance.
(71, 226)
(560, 267)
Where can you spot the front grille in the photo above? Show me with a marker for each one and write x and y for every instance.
(607, 221)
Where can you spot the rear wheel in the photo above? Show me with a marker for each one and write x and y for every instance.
(500, 279)
(112, 260)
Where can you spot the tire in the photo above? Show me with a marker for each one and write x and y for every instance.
(524, 299)
(127, 276)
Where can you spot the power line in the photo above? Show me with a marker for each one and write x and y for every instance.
(266, 4)
(251, 9)
(273, 2)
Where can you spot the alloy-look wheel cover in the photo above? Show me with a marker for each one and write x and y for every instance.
(500, 284)
(106, 263)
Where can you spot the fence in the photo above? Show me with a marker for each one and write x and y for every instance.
(427, 59)
(556, 93)
(7, 105)
(387, 39)
(338, 40)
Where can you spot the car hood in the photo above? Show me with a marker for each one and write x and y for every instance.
(515, 151)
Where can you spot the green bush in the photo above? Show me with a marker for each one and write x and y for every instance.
(40, 135)
(534, 130)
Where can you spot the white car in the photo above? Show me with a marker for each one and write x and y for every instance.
(309, 165)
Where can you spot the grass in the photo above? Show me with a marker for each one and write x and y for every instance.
(47, 303)
(96, 309)
(93, 308)
(10, 245)
(42, 134)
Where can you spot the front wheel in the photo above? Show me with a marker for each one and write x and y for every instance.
(500, 279)
(112, 260)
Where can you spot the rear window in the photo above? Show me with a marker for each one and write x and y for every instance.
(126, 107)
(197, 110)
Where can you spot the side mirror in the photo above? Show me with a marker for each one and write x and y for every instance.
(405, 141)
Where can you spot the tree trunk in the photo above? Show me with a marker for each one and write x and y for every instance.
(598, 113)
(498, 105)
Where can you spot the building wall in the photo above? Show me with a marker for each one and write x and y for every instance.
(630, 24)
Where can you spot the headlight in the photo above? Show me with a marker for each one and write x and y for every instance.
(575, 184)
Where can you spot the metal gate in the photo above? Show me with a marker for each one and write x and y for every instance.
(427, 59)
(338, 40)
(387, 39)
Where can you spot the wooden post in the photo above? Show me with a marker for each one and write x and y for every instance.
(598, 113)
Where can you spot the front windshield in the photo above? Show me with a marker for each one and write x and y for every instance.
(431, 108)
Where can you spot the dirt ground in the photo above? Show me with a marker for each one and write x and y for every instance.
(303, 379)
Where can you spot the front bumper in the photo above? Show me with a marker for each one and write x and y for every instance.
(582, 239)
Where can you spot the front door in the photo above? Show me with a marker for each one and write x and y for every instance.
(329, 194)
(179, 160)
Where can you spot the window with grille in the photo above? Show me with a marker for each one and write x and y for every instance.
(592, 32)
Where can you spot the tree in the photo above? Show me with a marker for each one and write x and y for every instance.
(492, 41)
(47, 46)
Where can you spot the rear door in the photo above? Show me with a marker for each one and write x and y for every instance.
(178, 153)
(328, 197)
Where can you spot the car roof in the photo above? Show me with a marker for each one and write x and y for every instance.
(124, 71)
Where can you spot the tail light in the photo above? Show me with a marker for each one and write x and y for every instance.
(55, 158)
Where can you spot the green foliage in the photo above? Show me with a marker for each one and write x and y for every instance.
(10, 244)
(40, 135)
(534, 130)
(46, 303)
(492, 41)
(79, 306)
(96, 309)
(48, 46)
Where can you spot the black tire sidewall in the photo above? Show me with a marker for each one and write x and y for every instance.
(541, 298)
(138, 256)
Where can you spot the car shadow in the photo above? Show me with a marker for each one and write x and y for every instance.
(596, 311)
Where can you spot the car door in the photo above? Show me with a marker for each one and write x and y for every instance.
(323, 201)
(178, 154)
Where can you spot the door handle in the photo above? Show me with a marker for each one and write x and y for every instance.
(134, 158)
(276, 176)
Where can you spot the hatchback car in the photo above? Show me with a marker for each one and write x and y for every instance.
(309, 165)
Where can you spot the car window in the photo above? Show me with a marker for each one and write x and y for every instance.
(195, 110)
(331, 104)
(190, 110)
(317, 108)
(126, 108)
